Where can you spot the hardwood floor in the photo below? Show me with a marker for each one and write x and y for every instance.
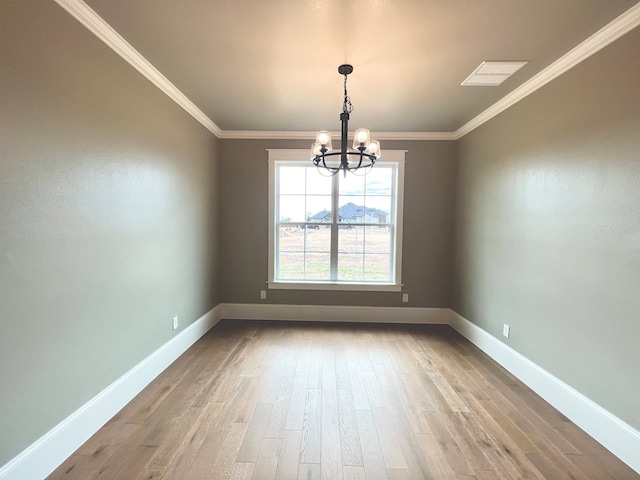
(276, 400)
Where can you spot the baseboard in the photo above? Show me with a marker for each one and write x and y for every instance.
(614, 434)
(42, 457)
(335, 313)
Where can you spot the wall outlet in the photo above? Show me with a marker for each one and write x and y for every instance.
(506, 330)
(405, 297)
(174, 323)
(263, 294)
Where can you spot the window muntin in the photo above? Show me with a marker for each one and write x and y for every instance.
(358, 247)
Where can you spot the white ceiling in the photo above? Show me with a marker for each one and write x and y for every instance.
(256, 65)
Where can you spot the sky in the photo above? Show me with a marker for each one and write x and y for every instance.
(372, 190)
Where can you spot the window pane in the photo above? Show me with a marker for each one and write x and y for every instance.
(317, 266)
(318, 239)
(350, 267)
(291, 266)
(351, 209)
(318, 208)
(378, 181)
(316, 183)
(291, 239)
(352, 185)
(378, 209)
(350, 239)
(291, 208)
(376, 267)
(377, 240)
(291, 180)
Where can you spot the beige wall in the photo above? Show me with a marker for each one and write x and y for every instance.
(428, 226)
(108, 196)
(548, 227)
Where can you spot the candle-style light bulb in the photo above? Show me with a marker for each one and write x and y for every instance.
(361, 138)
(324, 138)
(374, 148)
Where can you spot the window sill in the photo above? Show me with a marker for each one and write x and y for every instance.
(362, 287)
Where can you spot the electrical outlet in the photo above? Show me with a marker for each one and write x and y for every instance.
(263, 294)
(174, 323)
(405, 297)
(506, 330)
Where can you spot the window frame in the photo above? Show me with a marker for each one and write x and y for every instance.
(278, 156)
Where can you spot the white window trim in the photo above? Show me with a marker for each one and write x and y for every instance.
(389, 156)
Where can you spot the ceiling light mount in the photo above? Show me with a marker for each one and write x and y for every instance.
(345, 69)
(365, 151)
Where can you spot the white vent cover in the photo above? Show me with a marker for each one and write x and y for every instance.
(492, 73)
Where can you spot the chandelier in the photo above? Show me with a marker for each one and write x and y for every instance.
(365, 151)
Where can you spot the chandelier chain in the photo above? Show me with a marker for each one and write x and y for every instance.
(347, 106)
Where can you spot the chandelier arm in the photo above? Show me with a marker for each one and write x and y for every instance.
(333, 170)
(359, 162)
(363, 155)
(320, 158)
(372, 161)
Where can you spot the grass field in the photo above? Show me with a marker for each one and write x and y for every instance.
(363, 253)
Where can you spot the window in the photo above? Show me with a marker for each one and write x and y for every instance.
(334, 232)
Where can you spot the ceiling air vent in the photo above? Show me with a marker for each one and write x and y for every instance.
(492, 73)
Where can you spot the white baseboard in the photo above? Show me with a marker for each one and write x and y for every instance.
(334, 313)
(46, 454)
(617, 436)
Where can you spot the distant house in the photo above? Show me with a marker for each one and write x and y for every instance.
(322, 216)
(352, 213)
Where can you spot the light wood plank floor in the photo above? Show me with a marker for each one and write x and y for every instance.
(267, 400)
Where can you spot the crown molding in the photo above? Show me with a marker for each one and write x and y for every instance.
(272, 135)
(101, 29)
(603, 37)
(266, 134)
(416, 136)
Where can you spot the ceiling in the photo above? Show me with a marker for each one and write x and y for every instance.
(256, 65)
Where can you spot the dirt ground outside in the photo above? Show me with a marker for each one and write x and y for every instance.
(363, 253)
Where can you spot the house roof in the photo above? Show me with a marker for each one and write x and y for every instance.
(351, 211)
(321, 214)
